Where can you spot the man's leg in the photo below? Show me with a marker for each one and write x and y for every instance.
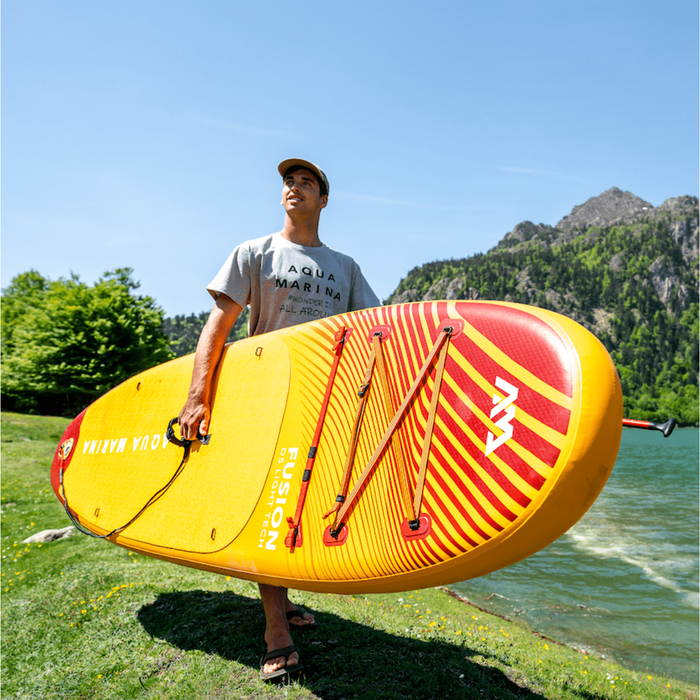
(276, 605)
(276, 627)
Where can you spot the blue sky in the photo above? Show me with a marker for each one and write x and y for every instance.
(147, 133)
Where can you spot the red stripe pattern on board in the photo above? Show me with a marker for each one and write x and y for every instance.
(502, 418)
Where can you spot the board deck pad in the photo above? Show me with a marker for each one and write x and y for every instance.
(527, 428)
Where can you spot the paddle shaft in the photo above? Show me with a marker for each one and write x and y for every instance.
(666, 428)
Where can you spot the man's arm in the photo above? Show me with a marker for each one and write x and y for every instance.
(196, 411)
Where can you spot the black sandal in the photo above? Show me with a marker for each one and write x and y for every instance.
(280, 673)
(299, 612)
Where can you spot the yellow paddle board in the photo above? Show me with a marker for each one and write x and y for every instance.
(446, 439)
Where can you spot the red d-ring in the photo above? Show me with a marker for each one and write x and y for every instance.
(425, 525)
(331, 541)
(456, 324)
(383, 331)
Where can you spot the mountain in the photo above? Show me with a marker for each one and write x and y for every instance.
(624, 269)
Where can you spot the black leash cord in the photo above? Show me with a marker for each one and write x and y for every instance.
(185, 444)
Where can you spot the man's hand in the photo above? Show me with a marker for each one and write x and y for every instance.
(194, 415)
(196, 412)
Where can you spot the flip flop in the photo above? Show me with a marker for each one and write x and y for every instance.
(280, 673)
(299, 612)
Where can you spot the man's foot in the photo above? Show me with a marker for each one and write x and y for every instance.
(301, 619)
(285, 656)
(280, 663)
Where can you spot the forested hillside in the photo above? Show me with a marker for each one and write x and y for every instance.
(624, 269)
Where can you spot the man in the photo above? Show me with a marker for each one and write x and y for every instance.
(287, 278)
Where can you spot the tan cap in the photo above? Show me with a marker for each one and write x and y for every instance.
(285, 165)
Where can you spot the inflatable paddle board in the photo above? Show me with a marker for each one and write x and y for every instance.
(381, 450)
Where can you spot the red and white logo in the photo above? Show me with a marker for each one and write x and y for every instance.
(505, 406)
(65, 449)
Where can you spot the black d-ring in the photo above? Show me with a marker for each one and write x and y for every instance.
(182, 442)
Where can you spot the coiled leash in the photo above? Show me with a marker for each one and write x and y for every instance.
(170, 436)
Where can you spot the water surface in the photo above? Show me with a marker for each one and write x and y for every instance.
(623, 582)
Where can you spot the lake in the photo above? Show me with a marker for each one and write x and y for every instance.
(623, 582)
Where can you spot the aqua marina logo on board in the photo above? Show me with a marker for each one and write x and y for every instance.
(506, 406)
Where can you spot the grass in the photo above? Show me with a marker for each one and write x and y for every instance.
(82, 618)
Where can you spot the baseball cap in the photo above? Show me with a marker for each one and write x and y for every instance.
(285, 165)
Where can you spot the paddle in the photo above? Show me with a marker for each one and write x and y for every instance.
(666, 428)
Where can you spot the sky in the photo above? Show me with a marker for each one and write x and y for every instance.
(147, 133)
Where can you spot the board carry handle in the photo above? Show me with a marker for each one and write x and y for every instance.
(666, 428)
(181, 442)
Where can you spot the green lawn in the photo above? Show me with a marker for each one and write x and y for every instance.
(82, 618)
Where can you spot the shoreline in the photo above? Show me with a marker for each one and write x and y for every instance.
(576, 647)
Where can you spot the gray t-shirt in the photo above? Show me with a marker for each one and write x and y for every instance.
(286, 283)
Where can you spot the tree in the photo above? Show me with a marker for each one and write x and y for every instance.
(64, 343)
(183, 331)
